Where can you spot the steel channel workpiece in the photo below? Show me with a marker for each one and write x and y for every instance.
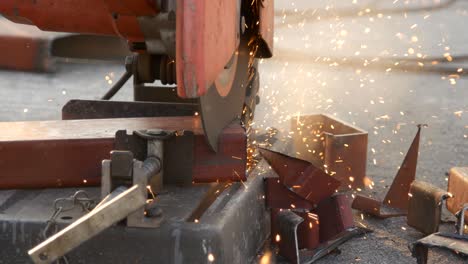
(54, 147)
(337, 146)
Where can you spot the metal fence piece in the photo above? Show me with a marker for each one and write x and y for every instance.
(301, 177)
(395, 202)
(425, 207)
(337, 146)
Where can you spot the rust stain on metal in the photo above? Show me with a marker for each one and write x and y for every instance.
(301, 177)
(337, 146)
(396, 200)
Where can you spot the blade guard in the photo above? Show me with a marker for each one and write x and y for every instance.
(207, 34)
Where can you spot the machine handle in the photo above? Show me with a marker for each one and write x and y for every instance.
(116, 206)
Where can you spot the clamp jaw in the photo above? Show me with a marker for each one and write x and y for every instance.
(127, 188)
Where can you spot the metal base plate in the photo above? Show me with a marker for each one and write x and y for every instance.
(225, 230)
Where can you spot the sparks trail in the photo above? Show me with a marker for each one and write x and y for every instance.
(367, 11)
(377, 63)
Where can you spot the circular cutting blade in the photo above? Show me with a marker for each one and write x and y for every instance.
(224, 81)
(223, 103)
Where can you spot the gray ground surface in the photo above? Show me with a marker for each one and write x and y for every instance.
(384, 102)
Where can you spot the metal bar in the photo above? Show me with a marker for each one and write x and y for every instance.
(69, 153)
(88, 226)
(461, 220)
(97, 109)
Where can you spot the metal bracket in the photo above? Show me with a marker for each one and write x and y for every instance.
(396, 200)
(298, 236)
(301, 177)
(425, 207)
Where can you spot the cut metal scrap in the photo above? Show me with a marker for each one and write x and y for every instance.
(425, 207)
(294, 234)
(299, 233)
(337, 215)
(340, 147)
(457, 243)
(457, 187)
(278, 196)
(395, 202)
(301, 177)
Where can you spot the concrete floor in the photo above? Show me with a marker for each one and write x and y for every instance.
(386, 103)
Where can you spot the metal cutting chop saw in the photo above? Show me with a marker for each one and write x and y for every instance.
(167, 194)
(207, 48)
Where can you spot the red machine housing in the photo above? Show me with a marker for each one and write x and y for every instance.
(207, 32)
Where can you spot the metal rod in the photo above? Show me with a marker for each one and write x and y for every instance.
(88, 226)
(461, 223)
(117, 86)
